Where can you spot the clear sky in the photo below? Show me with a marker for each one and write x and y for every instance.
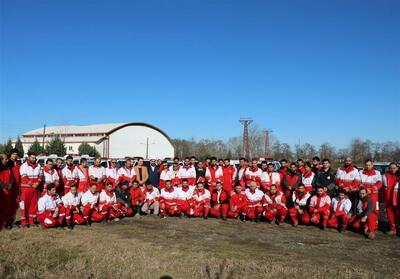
(310, 70)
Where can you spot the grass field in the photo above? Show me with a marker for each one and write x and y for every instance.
(147, 247)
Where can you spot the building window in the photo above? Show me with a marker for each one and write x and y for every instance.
(70, 148)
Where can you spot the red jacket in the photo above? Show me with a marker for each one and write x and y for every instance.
(223, 197)
(238, 200)
(137, 195)
(229, 180)
(390, 188)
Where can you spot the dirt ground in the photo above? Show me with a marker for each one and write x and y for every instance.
(147, 247)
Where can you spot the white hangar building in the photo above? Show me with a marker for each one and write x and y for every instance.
(116, 140)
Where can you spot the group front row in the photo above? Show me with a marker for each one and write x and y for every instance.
(96, 205)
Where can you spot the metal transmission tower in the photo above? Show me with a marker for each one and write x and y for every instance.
(267, 143)
(245, 145)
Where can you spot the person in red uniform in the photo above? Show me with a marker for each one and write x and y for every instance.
(299, 206)
(238, 204)
(200, 202)
(364, 215)
(274, 203)
(213, 173)
(15, 166)
(243, 165)
(340, 211)
(284, 168)
(390, 197)
(169, 200)
(291, 180)
(137, 196)
(58, 166)
(300, 165)
(219, 202)
(229, 173)
(51, 212)
(6, 193)
(31, 177)
(319, 208)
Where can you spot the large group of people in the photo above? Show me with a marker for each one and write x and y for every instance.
(307, 193)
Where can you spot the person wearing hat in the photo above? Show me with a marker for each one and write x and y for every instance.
(200, 205)
(219, 202)
(151, 200)
(123, 195)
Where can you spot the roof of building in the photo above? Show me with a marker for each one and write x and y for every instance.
(93, 132)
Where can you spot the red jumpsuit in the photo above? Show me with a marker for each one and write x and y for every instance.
(239, 202)
(46, 207)
(31, 175)
(322, 204)
(340, 210)
(6, 196)
(229, 174)
(290, 182)
(254, 201)
(302, 202)
(372, 181)
(109, 206)
(200, 205)
(274, 206)
(390, 197)
(72, 204)
(219, 199)
(168, 202)
(362, 208)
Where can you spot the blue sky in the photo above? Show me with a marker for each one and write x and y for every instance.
(311, 70)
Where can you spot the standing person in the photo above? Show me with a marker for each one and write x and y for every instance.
(90, 205)
(270, 177)
(316, 164)
(151, 200)
(193, 161)
(50, 176)
(319, 208)
(112, 173)
(340, 211)
(141, 171)
(97, 174)
(51, 212)
(274, 203)
(72, 202)
(214, 173)
(364, 216)
(69, 174)
(291, 180)
(15, 190)
(253, 173)
(390, 197)
(83, 175)
(7, 201)
(165, 175)
(200, 170)
(371, 180)
(219, 202)
(154, 175)
(300, 165)
(243, 165)
(308, 178)
(176, 179)
(188, 171)
(127, 172)
(284, 168)
(58, 166)
(299, 206)
(31, 177)
(348, 178)
(229, 175)
(254, 202)
(326, 178)
(238, 204)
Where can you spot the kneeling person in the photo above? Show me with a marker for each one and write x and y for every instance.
(168, 200)
(238, 204)
(51, 211)
(219, 202)
(90, 200)
(340, 211)
(108, 203)
(319, 208)
(275, 205)
(151, 200)
(72, 202)
(300, 201)
(200, 206)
